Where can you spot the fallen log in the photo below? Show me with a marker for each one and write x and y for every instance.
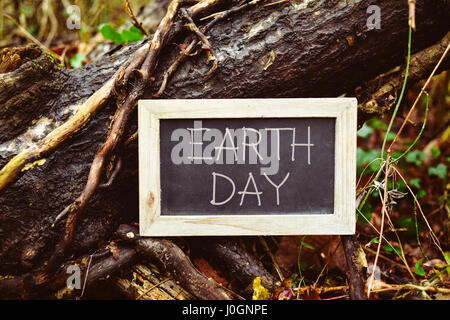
(167, 256)
(236, 262)
(319, 49)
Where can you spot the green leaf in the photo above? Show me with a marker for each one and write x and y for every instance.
(435, 152)
(421, 194)
(307, 245)
(419, 269)
(109, 33)
(415, 182)
(365, 131)
(77, 60)
(377, 124)
(375, 240)
(363, 158)
(440, 170)
(366, 211)
(409, 224)
(132, 35)
(395, 250)
(390, 136)
(447, 257)
(415, 157)
(400, 186)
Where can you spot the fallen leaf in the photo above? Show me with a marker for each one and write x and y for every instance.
(287, 253)
(435, 263)
(286, 294)
(114, 250)
(204, 267)
(259, 292)
(309, 293)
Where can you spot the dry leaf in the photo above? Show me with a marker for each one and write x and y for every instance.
(114, 250)
(204, 267)
(259, 292)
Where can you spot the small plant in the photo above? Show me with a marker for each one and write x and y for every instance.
(77, 60)
(131, 35)
(440, 170)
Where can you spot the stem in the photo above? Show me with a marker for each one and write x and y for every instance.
(401, 93)
(420, 133)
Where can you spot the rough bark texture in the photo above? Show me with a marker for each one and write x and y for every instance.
(235, 261)
(167, 256)
(322, 48)
(355, 267)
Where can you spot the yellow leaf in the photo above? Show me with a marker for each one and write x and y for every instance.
(259, 292)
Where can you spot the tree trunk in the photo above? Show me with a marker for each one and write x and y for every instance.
(320, 48)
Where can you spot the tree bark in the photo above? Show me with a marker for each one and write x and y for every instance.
(321, 48)
(172, 259)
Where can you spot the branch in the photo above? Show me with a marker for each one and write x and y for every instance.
(378, 99)
(167, 256)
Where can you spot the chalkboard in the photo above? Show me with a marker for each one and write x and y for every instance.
(247, 166)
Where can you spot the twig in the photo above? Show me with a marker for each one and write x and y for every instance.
(400, 244)
(409, 286)
(170, 258)
(420, 132)
(87, 110)
(85, 278)
(61, 215)
(117, 129)
(386, 258)
(193, 27)
(151, 288)
(30, 36)
(131, 138)
(320, 274)
(274, 261)
(113, 174)
(136, 21)
(419, 95)
(218, 16)
(274, 3)
(394, 114)
(173, 67)
(384, 212)
(433, 235)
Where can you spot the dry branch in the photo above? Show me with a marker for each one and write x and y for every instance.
(355, 266)
(236, 261)
(167, 256)
(380, 94)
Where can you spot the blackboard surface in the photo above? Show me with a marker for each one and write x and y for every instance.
(188, 188)
(247, 166)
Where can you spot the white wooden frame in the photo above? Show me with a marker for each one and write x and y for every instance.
(342, 221)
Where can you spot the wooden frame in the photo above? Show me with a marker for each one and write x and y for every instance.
(344, 110)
